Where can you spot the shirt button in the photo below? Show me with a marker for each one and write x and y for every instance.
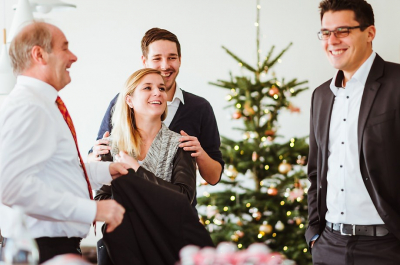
(344, 119)
(320, 187)
(342, 213)
(366, 178)
(347, 97)
(342, 142)
(341, 165)
(342, 189)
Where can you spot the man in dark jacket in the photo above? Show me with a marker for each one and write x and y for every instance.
(354, 145)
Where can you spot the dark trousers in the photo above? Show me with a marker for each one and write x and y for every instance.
(50, 247)
(332, 248)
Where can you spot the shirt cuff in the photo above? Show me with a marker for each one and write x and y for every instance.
(99, 174)
(85, 212)
(313, 238)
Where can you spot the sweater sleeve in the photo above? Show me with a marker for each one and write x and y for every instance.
(183, 178)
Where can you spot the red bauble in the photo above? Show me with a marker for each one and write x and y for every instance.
(273, 91)
(236, 115)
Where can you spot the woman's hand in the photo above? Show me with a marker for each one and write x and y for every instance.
(100, 147)
(127, 159)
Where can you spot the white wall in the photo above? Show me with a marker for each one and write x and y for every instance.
(105, 35)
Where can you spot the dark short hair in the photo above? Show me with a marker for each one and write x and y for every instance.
(156, 34)
(362, 10)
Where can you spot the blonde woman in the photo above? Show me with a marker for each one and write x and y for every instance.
(158, 192)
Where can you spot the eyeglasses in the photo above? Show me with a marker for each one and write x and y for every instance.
(339, 32)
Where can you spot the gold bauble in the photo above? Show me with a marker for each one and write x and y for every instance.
(284, 167)
(235, 238)
(248, 110)
(231, 172)
(265, 228)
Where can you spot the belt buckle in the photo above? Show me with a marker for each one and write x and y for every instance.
(345, 234)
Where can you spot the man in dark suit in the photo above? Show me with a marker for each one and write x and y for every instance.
(354, 205)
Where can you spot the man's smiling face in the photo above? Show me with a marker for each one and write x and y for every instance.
(348, 53)
(163, 56)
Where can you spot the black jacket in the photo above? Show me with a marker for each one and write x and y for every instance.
(183, 178)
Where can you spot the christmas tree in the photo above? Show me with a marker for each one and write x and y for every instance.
(274, 209)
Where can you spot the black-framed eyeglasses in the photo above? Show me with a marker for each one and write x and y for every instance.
(339, 32)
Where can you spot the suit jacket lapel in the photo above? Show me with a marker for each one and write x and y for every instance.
(370, 90)
(324, 122)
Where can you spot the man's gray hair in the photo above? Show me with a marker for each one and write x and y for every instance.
(34, 34)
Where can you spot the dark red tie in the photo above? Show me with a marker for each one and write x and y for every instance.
(67, 118)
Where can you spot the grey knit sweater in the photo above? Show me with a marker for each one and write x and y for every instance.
(160, 157)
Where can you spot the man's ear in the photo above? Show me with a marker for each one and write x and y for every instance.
(144, 59)
(39, 56)
(371, 33)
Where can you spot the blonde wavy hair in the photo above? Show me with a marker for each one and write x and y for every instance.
(125, 134)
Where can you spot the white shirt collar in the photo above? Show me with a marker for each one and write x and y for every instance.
(360, 75)
(44, 89)
(178, 95)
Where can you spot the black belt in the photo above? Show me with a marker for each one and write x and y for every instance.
(358, 230)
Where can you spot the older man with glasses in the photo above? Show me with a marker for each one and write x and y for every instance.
(354, 207)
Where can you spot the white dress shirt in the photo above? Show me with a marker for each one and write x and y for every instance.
(174, 105)
(347, 198)
(39, 165)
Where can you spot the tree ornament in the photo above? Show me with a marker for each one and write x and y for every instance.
(272, 191)
(231, 172)
(236, 115)
(301, 160)
(296, 194)
(246, 135)
(273, 91)
(298, 221)
(239, 223)
(235, 238)
(219, 219)
(297, 184)
(254, 156)
(269, 133)
(293, 108)
(265, 227)
(211, 210)
(279, 226)
(248, 110)
(257, 216)
(239, 233)
(284, 167)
